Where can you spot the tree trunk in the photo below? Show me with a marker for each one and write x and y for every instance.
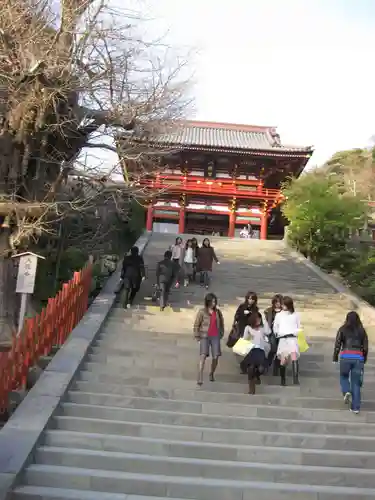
(8, 298)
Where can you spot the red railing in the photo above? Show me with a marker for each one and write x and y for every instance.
(40, 334)
(216, 187)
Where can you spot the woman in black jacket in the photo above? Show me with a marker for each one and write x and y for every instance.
(351, 346)
(249, 306)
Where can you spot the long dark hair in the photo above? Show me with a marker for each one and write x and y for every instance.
(209, 299)
(208, 244)
(277, 298)
(353, 323)
(253, 296)
(288, 304)
(187, 244)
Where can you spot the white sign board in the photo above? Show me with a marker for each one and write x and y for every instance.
(26, 273)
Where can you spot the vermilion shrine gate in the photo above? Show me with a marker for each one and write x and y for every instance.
(220, 177)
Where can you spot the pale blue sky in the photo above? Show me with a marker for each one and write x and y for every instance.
(305, 66)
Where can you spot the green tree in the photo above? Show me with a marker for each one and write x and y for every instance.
(320, 215)
(354, 170)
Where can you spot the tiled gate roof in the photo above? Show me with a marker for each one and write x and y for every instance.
(226, 136)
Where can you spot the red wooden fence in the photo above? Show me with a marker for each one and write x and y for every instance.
(40, 334)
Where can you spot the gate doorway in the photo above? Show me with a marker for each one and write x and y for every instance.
(206, 224)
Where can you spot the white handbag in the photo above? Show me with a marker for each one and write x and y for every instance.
(242, 347)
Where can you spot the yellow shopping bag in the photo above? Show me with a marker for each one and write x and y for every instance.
(302, 342)
(242, 347)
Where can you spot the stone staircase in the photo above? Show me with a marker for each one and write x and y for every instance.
(134, 426)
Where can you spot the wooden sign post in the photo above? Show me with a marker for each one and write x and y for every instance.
(27, 266)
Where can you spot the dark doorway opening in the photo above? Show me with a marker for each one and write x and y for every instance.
(206, 224)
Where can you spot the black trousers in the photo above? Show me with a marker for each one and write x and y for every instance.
(131, 288)
(164, 293)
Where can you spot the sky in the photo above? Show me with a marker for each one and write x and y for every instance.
(304, 66)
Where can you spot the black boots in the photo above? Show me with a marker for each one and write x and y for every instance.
(276, 367)
(252, 386)
(295, 371)
(283, 375)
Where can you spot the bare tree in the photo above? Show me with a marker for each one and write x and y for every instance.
(63, 77)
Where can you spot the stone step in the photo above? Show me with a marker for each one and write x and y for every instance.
(207, 450)
(269, 385)
(267, 395)
(318, 345)
(216, 435)
(185, 345)
(312, 378)
(185, 487)
(181, 359)
(122, 337)
(251, 409)
(189, 371)
(263, 420)
(47, 493)
(227, 362)
(201, 467)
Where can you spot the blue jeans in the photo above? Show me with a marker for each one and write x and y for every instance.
(352, 368)
(205, 278)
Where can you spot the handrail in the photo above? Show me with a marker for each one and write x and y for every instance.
(40, 334)
(213, 187)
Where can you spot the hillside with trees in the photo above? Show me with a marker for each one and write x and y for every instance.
(329, 213)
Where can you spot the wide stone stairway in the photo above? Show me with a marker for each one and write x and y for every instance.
(135, 426)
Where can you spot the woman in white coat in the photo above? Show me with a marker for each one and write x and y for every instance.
(286, 327)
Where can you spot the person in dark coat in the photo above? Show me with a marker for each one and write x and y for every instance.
(133, 272)
(206, 257)
(165, 274)
(244, 310)
(270, 314)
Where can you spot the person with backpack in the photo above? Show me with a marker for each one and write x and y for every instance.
(351, 346)
(165, 273)
(132, 274)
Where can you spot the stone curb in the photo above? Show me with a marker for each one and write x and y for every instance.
(363, 308)
(21, 434)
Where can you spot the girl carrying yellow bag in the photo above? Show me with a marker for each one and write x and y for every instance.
(242, 347)
(302, 342)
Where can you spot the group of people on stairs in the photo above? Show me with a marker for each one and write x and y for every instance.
(274, 338)
(273, 333)
(181, 263)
